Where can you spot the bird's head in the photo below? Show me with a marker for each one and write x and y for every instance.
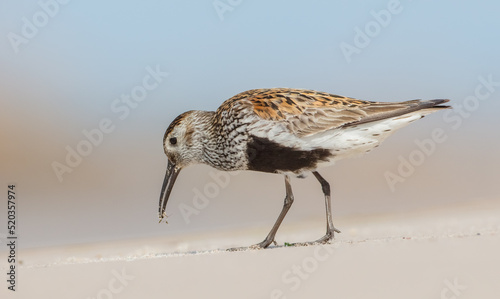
(183, 144)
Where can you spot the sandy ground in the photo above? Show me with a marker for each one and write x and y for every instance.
(450, 252)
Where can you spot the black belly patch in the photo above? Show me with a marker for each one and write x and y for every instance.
(268, 156)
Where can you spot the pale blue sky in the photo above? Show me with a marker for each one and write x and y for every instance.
(92, 50)
(66, 77)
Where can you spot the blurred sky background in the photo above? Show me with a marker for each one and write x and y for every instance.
(66, 76)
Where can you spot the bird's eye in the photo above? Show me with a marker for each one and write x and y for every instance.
(173, 140)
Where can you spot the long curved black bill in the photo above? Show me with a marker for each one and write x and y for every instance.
(168, 184)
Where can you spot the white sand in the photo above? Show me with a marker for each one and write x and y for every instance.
(451, 252)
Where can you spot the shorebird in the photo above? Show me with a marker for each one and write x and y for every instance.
(284, 131)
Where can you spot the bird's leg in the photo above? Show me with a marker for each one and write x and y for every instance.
(330, 229)
(286, 206)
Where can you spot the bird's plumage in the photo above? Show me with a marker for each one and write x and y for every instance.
(282, 125)
(284, 130)
(308, 112)
(315, 126)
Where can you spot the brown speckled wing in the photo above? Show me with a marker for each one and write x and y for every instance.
(308, 112)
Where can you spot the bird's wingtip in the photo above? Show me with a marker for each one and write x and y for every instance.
(437, 103)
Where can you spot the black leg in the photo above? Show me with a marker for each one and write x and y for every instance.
(286, 206)
(330, 229)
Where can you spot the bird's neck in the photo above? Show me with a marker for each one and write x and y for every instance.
(217, 148)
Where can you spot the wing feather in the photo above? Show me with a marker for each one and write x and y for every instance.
(308, 112)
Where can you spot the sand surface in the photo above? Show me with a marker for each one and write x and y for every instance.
(447, 252)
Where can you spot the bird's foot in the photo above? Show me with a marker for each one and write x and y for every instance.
(326, 239)
(262, 245)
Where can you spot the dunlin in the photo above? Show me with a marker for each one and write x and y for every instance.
(284, 131)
